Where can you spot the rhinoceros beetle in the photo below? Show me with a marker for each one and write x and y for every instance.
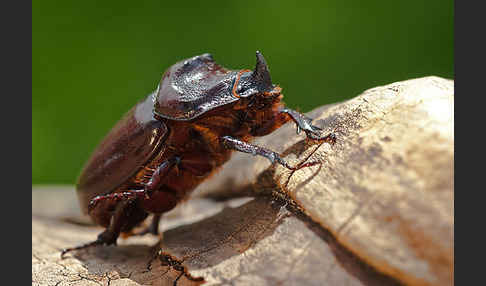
(176, 137)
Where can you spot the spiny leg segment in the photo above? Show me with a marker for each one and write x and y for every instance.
(124, 199)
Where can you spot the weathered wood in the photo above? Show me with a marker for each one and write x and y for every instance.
(377, 211)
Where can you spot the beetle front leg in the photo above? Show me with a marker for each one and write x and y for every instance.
(305, 123)
(238, 145)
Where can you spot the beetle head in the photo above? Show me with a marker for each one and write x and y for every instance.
(194, 86)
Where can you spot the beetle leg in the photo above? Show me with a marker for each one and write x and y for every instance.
(110, 235)
(157, 179)
(178, 277)
(238, 145)
(153, 228)
(122, 196)
(154, 184)
(304, 123)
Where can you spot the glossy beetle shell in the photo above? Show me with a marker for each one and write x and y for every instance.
(126, 148)
(194, 86)
(189, 88)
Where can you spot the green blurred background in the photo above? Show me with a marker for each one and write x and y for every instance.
(92, 60)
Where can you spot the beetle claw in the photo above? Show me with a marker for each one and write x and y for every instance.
(330, 138)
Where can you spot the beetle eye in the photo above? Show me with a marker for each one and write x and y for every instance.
(245, 91)
(241, 89)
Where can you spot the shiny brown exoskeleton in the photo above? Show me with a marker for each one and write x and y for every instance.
(171, 141)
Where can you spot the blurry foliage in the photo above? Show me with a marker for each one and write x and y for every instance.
(92, 60)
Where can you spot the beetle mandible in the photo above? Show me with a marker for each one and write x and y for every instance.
(173, 139)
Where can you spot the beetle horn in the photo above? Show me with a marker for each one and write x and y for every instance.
(261, 74)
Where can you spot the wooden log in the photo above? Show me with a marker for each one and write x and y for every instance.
(378, 210)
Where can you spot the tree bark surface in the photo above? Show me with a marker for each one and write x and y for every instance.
(377, 210)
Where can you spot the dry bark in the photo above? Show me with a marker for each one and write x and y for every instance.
(378, 210)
